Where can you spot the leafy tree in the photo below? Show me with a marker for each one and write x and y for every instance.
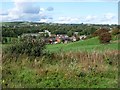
(69, 33)
(92, 30)
(105, 37)
(100, 31)
(29, 46)
(46, 35)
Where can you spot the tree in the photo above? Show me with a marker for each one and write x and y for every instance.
(105, 38)
(100, 31)
(46, 35)
(29, 46)
(92, 30)
(4, 40)
(69, 33)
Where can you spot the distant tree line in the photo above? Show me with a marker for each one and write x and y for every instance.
(16, 30)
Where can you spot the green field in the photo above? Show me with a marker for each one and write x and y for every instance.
(72, 65)
(86, 45)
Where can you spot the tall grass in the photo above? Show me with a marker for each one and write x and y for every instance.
(69, 69)
(87, 59)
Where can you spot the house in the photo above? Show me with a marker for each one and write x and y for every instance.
(54, 39)
(46, 31)
(58, 40)
(49, 33)
(82, 37)
(36, 25)
(41, 32)
(73, 38)
(76, 33)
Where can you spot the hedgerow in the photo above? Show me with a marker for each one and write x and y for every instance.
(29, 45)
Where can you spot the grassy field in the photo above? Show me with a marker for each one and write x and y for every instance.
(86, 45)
(91, 44)
(74, 65)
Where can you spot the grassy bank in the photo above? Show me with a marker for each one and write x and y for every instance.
(86, 45)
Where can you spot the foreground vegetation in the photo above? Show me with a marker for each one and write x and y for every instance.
(69, 70)
(73, 68)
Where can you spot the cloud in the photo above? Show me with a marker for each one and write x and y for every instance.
(29, 11)
(93, 19)
(42, 9)
(43, 20)
(90, 18)
(2, 12)
(27, 7)
(26, 11)
(44, 17)
(46, 20)
(21, 11)
(50, 9)
(29, 17)
(64, 19)
(109, 16)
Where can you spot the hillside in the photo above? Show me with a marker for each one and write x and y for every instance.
(86, 45)
(64, 70)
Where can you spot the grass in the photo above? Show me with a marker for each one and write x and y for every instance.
(70, 70)
(89, 45)
(86, 45)
(84, 64)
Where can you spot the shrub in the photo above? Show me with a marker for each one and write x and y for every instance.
(115, 32)
(4, 40)
(105, 37)
(89, 36)
(29, 46)
(100, 31)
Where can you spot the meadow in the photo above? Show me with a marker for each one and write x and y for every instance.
(88, 45)
(82, 64)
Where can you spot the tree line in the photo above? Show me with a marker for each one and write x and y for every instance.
(16, 30)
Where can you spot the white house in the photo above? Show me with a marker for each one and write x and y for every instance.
(49, 33)
(82, 37)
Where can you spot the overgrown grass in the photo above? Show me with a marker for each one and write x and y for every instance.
(68, 70)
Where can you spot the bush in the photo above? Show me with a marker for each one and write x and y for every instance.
(89, 36)
(115, 32)
(105, 37)
(29, 46)
(100, 31)
(4, 40)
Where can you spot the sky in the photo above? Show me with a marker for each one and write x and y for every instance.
(60, 11)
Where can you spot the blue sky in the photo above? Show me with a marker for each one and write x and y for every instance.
(95, 12)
